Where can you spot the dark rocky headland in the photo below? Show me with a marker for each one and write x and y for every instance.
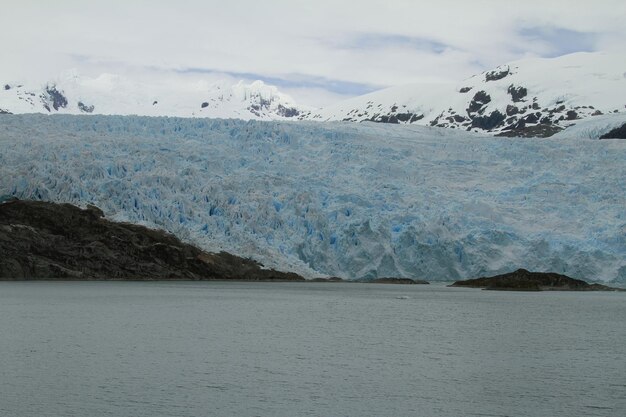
(523, 280)
(41, 240)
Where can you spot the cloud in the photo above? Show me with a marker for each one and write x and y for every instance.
(372, 41)
(294, 81)
(339, 47)
(554, 41)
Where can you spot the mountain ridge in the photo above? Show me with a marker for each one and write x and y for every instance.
(111, 94)
(530, 97)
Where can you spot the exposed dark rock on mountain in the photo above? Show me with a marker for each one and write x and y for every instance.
(572, 115)
(2, 111)
(497, 74)
(409, 117)
(258, 105)
(395, 118)
(523, 280)
(511, 110)
(464, 90)
(7, 87)
(517, 93)
(85, 108)
(392, 118)
(40, 240)
(287, 111)
(520, 130)
(488, 122)
(480, 99)
(204, 105)
(531, 118)
(54, 97)
(617, 133)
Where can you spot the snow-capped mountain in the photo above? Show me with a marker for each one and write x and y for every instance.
(114, 94)
(532, 97)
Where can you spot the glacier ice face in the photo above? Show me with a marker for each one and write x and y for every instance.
(353, 200)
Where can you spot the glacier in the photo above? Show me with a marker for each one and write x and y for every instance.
(337, 199)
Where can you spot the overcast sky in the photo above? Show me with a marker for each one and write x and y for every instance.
(318, 51)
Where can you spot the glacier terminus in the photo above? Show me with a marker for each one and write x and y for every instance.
(342, 199)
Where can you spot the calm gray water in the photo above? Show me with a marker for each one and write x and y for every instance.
(93, 349)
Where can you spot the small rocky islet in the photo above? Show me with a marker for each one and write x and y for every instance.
(391, 280)
(523, 280)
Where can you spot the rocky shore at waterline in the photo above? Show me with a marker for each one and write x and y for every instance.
(391, 280)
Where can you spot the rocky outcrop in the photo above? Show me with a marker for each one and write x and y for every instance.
(497, 74)
(617, 133)
(480, 100)
(85, 108)
(517, 93)
(521, 130)
(523, 280)
(331, 279)
(488, 122)
(395, 117)
(41, 240)
(287, 111)
(53, 97)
